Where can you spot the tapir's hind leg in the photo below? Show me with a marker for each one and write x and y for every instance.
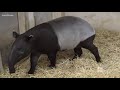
(78, 52)
(88, 44)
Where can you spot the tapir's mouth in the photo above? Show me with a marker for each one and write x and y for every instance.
(15, 59)
(23, 59)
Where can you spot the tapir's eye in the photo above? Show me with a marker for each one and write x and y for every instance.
(21, 52)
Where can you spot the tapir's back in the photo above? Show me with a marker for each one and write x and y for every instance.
(71, 31)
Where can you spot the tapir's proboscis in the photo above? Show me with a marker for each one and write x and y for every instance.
(48, 38)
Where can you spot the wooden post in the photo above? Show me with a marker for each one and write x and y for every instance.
(56, 14)
(21, 21)
(30, 20)
(62, 14)
(1, 64)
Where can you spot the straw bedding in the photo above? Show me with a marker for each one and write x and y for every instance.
(108, 43)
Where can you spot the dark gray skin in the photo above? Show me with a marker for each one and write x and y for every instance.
(48, 38)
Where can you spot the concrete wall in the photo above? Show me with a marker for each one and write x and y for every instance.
(8, 24)
(100, 20)
(41, 17)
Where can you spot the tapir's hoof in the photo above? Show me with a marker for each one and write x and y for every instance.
(52, 66)
(11, 72)
(30, 72)
(72, 59)
(99, 61)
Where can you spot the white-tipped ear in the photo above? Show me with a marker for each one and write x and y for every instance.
(31, 36)
(27, 38)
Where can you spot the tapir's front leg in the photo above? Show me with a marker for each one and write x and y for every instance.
(33, 61)
(11, 69)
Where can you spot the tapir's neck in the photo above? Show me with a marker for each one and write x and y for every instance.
(35, 29)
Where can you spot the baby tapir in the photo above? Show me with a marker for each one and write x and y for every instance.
(63, 33)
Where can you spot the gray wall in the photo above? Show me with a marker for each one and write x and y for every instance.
(8, 24)
(100, 20)
(41, 17)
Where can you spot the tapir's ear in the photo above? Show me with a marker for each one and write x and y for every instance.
(28, 38)
(15, 34)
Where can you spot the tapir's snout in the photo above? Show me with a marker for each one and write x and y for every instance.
(11, 62)
(19, 50)
(14, 58)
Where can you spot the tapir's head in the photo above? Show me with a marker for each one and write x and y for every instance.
(20, 49)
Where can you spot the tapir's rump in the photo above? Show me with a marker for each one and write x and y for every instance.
(71, 31)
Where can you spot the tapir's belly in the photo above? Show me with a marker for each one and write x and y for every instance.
(68, 39)
(71, 31)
